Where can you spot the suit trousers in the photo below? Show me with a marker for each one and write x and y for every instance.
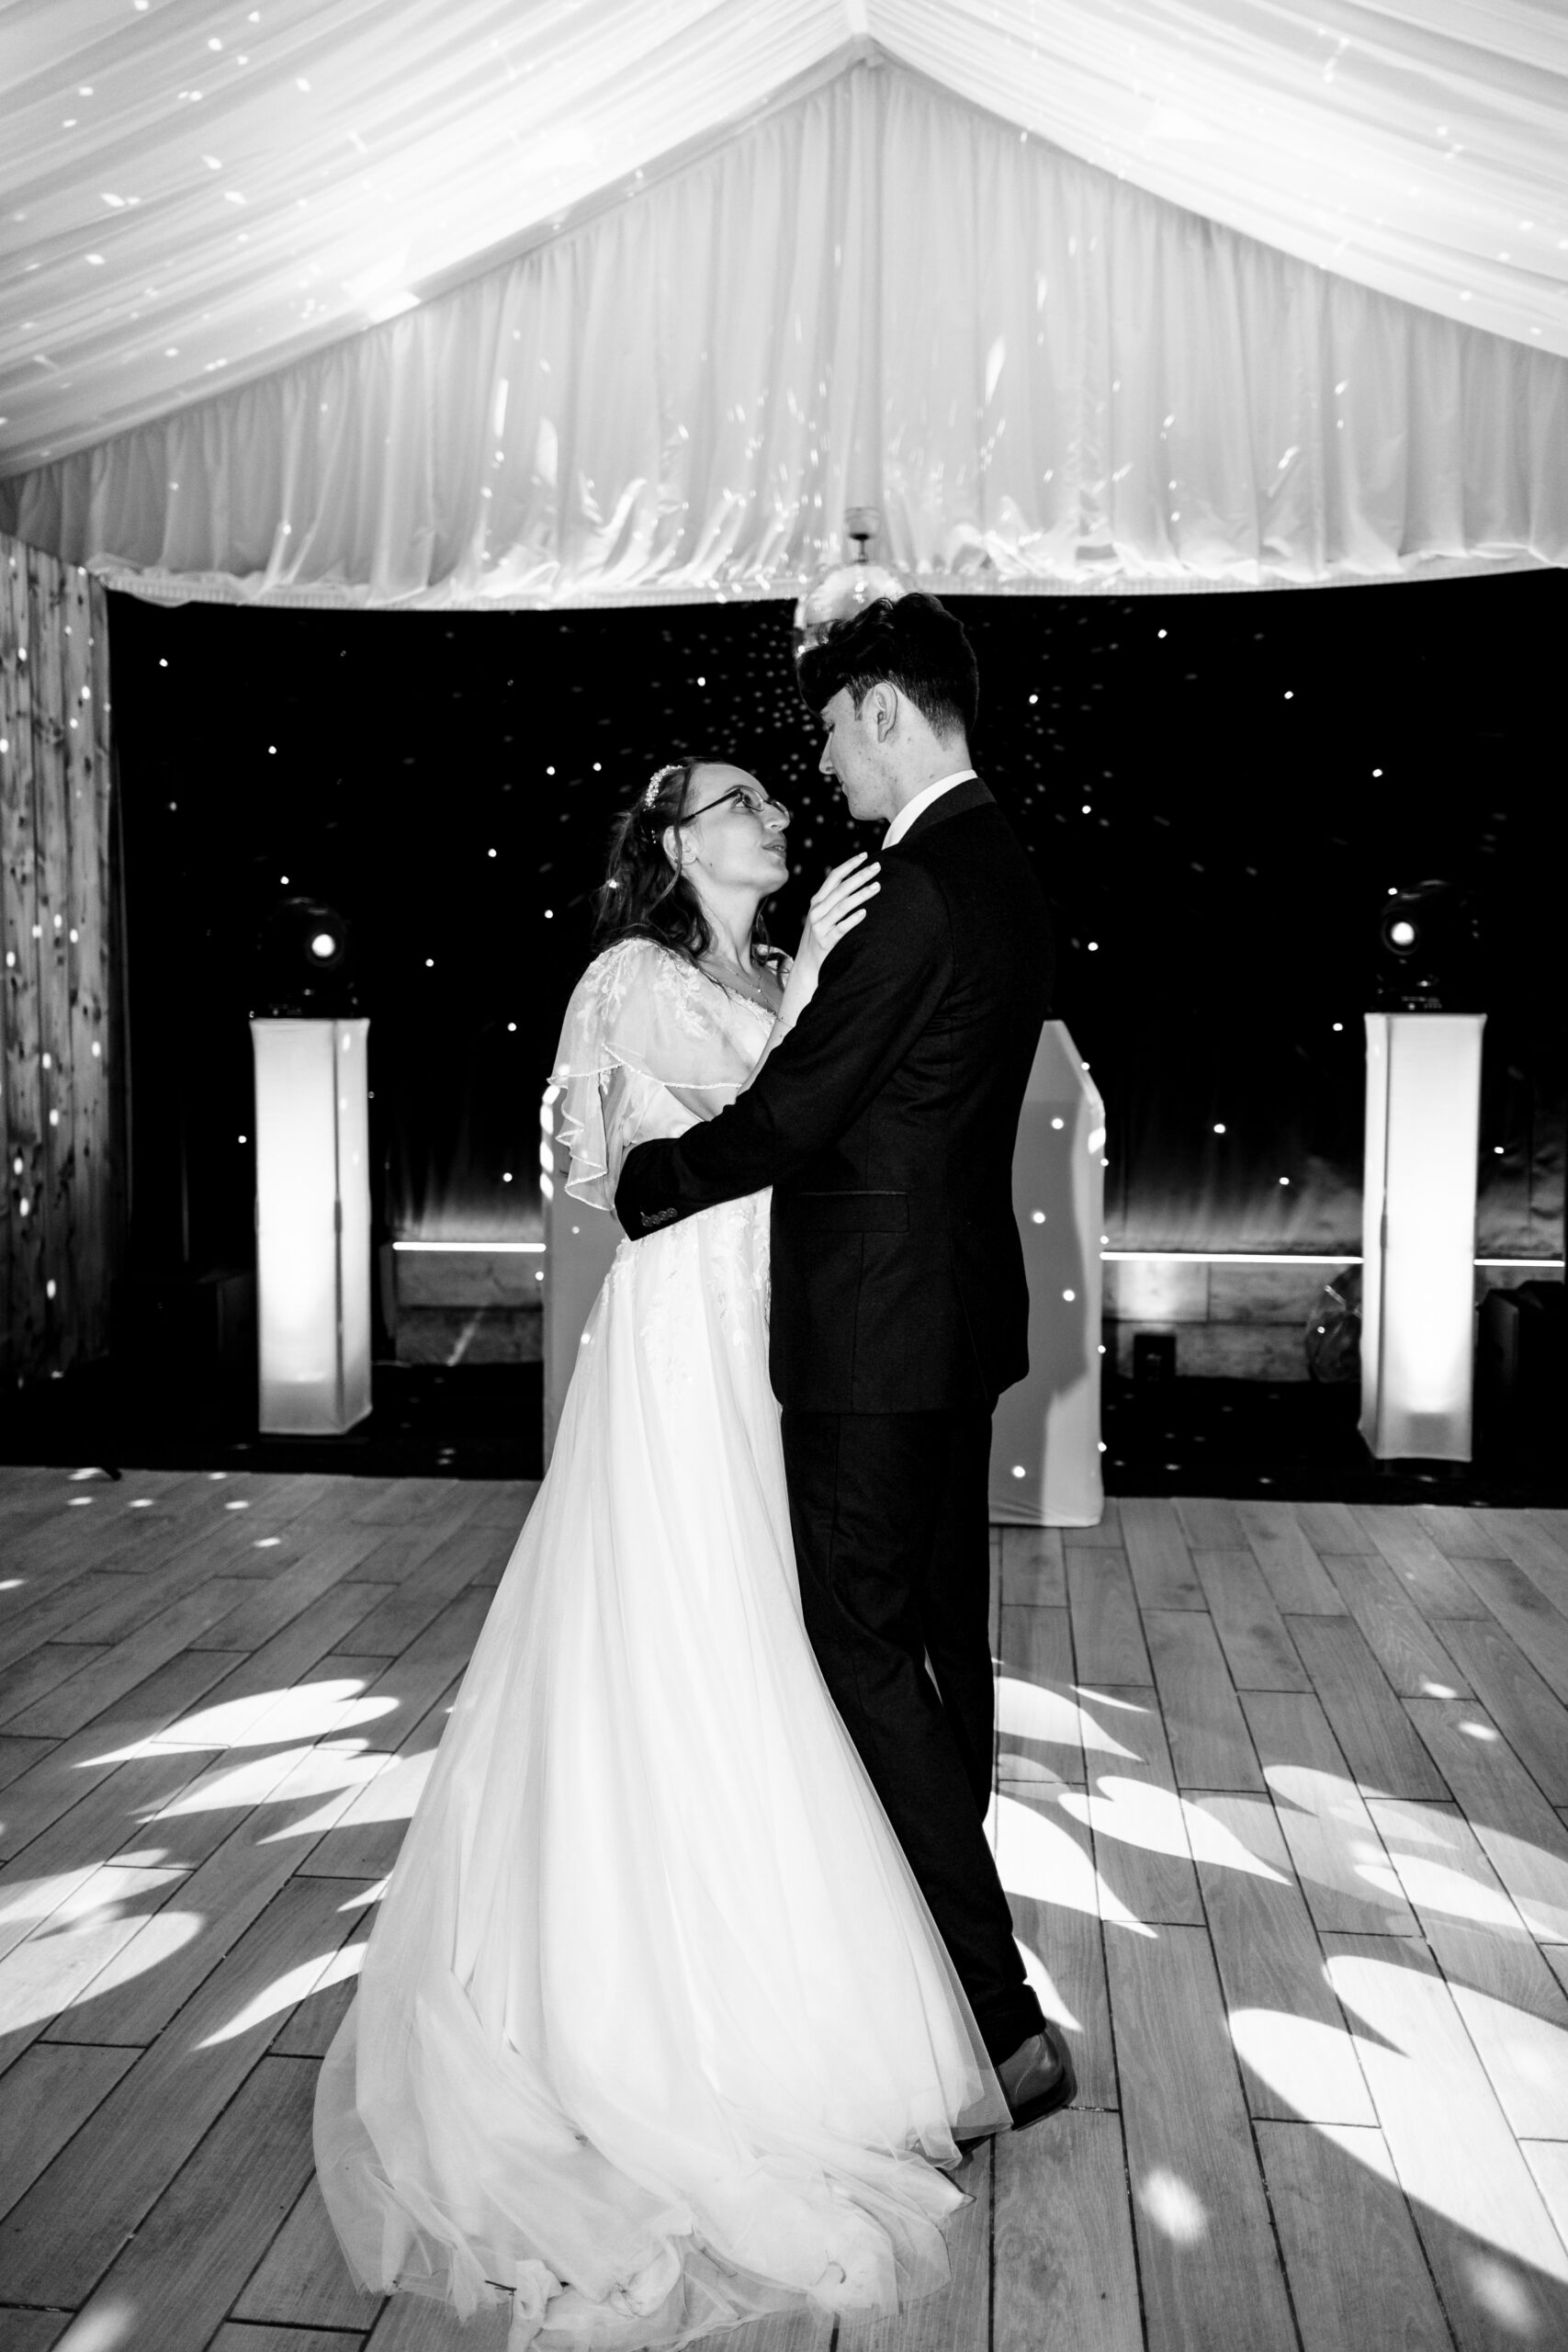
(890, 1522)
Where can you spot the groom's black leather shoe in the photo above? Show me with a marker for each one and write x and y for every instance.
(1038, 2078)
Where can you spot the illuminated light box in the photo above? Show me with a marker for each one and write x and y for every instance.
(1418, 1234)
(580, 1243)
(1045, 1463)
(313, 1225)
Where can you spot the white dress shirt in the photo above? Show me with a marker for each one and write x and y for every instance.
(921, 801)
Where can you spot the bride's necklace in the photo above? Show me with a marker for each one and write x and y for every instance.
(730, 976)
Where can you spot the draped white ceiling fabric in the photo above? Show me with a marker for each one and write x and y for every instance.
(1081, 293)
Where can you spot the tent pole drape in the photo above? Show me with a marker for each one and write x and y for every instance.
(59, 1129)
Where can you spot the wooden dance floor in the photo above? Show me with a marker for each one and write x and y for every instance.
(1280, 1805)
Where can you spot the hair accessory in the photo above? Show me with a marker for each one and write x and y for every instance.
(657, 782)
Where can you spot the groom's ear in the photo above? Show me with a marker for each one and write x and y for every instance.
(883, 700)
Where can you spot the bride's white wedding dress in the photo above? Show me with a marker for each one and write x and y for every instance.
(654, 2029)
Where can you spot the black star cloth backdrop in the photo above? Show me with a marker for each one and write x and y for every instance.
(1217, 793)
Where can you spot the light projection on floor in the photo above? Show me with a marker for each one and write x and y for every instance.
(286, 1992)
(1452, 2092)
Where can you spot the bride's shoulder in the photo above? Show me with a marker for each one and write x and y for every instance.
(636, 969)
(626, 962)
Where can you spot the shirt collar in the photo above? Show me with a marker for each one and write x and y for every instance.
(920, 803)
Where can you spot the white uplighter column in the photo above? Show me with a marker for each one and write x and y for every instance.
(579, 1246)
(313, 1225)
(1418, 1234)
(1045, 1463)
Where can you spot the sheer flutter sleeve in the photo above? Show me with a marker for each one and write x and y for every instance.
(644, 1054)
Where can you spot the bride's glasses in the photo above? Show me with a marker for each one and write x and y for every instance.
(752, 798)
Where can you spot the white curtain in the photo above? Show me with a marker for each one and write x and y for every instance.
(1046, 376)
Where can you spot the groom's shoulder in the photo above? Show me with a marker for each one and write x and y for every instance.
(967, 823)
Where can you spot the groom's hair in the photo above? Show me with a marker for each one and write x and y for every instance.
(911, 642)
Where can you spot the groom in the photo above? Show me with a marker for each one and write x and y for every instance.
(885, 1123)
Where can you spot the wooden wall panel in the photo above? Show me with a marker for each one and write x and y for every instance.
(59, 1213)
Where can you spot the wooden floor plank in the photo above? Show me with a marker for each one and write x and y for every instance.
(1530, 1718)
(1514, 2008)
(51, 1615)
(1522, 1609)
(22, 2331)
(294, 1654)
(129, 2001)
(1108, 1532)
(401, 1551)
(415, 2323)
(1210, 1524)
(1548, 2161)
(1046, 1860)
(58, 1963)
(1333, 1843)
(1357, 2275)
(1455, 1531)
(309, 2029)
(1523, 1839)
(363, 1836)
(267, 1608)
(1369, 1722)
(1291, 1567)
(1136, 1818)
(1033, 1572)
(303, 2281)
(1158, 1555)
(1107, 1644)
(59, 2239)
(1329, 1527)
(1253, 1634)
(1432, 1581)
(45, 2097)
(1210, 1745)
(1065, 2268)
(503, 1502)
(410, 1607)
(1412, 1657)
(179, 2276)
(19, 1756)
(1533, 1547)
(1501, 2268)
(1297, 2057)
(75, 1769)
(32, 1676)
(1039, 1717)
(1207, 2255)
(235, 2336)
(82, 1699)
(395, 1504)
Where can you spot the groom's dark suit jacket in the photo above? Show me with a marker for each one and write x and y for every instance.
(886, 1124)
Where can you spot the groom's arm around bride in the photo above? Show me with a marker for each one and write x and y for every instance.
(886, 1124)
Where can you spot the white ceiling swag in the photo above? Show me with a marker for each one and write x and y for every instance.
(814, 278)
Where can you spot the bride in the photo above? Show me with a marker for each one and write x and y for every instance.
(655, 2032)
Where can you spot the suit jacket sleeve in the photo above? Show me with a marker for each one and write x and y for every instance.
(879, 988)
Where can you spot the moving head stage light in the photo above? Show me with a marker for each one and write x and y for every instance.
(1426, 956)
(305, 962)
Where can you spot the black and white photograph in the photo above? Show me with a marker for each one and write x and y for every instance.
(784, 1102)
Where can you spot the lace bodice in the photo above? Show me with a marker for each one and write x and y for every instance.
(650, 1046)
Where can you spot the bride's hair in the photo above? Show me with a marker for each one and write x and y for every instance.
(644, 895)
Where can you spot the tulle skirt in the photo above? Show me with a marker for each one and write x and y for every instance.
(655, 2031)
